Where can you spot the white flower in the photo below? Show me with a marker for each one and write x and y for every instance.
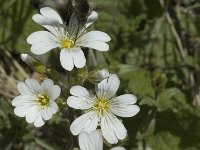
(69, 38)
(93, 141)
(36, 102)
(102, 108)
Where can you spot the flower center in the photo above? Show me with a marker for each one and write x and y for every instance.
(66, 43)
(42, 100)
(101, 105)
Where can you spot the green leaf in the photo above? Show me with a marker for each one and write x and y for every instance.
(139, 82)
(166, 100)
(148, 101)
(44, 144)
(163, 141)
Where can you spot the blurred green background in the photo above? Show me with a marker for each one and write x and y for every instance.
(155, 50)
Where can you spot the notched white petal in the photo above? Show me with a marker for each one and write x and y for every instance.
(97, 45)
(78, 57)
(91, 141)
(53, 91)
(33, 85)
(81, 98)
(39, 122)
(66, 59)
(51, 13)
(53, 107)
(113, 129)
(46, 115)
(20, 111)
(87, 122)
(32, 113)
(78, 103)
(123, 105)
(43, 47)
(93, 36)
(80, 91)
(118, 148)
(91, 19)
(23, 88)
(108, 87)
(21, 99)
(41, 36)
(41, 20)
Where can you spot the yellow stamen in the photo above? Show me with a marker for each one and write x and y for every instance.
(66, 43)
(101, 105)
(42, 100)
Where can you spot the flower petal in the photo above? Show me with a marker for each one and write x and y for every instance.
(87, 122)
(20, 111)
(71, 57)
(41, 20)
(112, 129)
(74, 26)
(123, 105)
(41, 36)
(53, 108)
(66, 59)
(21, 99)
(23, 88)
(50, 13)
(97, 45)
(43, 47)
(33, 85)
(50, 24)
(81, 98)
(94, 36)
(118, 148)
(91, 19)
(55, 92)
(78, 103)
(95, 40)
(108, 87)
(52, 90)
(80, 91)
(32, 113)
(78, 57)
(38, 122)
(47, 84)
(46, 115)
(91, 141)
(42, 42)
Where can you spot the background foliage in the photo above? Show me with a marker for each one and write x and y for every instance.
(155, 51)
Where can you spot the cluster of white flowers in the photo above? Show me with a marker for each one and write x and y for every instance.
(100, 110)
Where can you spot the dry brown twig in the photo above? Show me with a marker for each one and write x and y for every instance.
(173, 29)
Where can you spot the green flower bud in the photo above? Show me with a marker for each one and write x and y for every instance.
(33, 63)
(97, 76)
(159, 80)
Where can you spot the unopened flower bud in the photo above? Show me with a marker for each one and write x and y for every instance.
(33, 63)
(27, 59)
(102, 74)
(97, 76)
(159, 80)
